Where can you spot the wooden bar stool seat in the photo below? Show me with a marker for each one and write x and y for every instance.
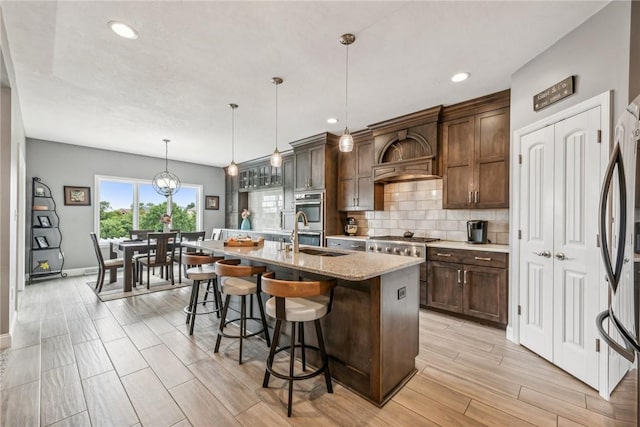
(198, 268)
(297, 302)
(233, 281)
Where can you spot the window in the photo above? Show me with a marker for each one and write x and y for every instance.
(128, 204)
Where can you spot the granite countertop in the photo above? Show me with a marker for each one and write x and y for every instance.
(489, 247)
(353, 265)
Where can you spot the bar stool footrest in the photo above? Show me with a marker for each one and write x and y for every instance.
(312, 374)
(253, 334)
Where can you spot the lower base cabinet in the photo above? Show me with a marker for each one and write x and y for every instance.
(468, 282)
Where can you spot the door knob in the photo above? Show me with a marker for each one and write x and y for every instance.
(560, 256)
(545, 254)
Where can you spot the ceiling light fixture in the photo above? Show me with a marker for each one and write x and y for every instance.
(232, 169)
(346, 140)
(166, 183)
(123, 30)
(332, 120)
(460, 77)
(276, 157)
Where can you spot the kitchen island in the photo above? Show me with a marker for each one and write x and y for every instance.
(371, 334)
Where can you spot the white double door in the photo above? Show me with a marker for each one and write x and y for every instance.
(560, 266)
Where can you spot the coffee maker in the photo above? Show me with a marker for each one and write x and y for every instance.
(477, 231)
(352, 226)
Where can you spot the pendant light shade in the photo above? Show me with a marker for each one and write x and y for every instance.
(166, 183)
(276, 157)
(232, 169)
(346, 140)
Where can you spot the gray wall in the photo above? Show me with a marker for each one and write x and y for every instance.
(597, 52)
(634, 52)
(64, 164)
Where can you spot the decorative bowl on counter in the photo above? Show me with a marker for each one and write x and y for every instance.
(408, 234)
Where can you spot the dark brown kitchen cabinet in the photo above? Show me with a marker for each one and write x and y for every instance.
(234, 201)
(468, 282)
(356, 189)
(309, 165)
(287, 183)
(475, 145)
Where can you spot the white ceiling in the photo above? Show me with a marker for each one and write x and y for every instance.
(81, 84)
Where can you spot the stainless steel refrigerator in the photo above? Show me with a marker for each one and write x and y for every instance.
(619, 222)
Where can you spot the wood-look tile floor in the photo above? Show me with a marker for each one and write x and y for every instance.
(77, 361)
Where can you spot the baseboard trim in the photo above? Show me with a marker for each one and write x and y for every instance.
(5, 341)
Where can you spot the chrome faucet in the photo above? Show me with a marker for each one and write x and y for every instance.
(294, 233)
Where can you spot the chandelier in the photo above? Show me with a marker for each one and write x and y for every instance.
(166, 183)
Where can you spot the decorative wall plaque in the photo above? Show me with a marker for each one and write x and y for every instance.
(554, 93)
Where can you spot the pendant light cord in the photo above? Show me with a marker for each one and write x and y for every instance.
(233, 132)
(277, 116)
(166, 155)
(346, 91)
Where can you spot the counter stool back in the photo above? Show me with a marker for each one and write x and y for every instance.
(297, 302)
(233, 282)
(186, 236)
(199, 268)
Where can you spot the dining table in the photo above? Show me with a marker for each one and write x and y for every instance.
(128, 248)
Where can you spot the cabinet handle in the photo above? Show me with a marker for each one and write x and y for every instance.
(479, 258)
(459, 276)
(465, 277)
(476, 198)
(440, 254)
(354, 201)
(470, 197)
(357, 201)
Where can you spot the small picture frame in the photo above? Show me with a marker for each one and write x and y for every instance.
(42, 242)
(44, 221)
(212, 203)
(77, 196)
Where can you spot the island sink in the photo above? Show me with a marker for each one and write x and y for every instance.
(310, 251)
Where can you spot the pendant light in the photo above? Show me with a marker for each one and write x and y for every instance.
(166, 183)
(346, 140)
(276, 157)
(232, 169)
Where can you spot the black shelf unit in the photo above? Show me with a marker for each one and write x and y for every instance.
(45, 256)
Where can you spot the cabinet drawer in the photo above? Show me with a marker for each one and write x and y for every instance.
(472, 257)
(487, 259)
(446, 255)
(353, 245)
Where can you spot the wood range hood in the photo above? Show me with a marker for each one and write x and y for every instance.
(406, 147)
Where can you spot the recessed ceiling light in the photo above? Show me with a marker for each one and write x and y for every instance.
(123, 30)
(332, 120)
(460, 77)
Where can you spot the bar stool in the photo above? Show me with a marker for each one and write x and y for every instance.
(297, 302)
(232, 282)
(196, 269)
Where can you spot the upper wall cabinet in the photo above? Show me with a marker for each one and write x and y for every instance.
(356, 189)
(475, 145)
(314, 157)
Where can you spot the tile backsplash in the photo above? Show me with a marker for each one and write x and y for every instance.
(417, 206)
(265, 207)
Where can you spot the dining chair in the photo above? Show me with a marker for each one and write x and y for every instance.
(187, 236)
(163, 245)
(103, 265)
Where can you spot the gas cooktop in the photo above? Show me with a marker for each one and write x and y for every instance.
(405, 239)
